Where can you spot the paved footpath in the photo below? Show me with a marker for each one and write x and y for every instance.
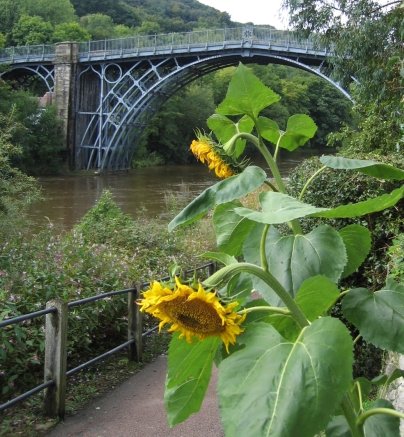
(136, 409)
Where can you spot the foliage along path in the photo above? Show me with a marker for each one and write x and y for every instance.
(136, 409)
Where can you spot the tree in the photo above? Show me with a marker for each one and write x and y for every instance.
(54, 11)
(70, 32)
(120, 12)
(17, 190)
(366, 39)
(9, 15)
(98, 25)
(32, 30)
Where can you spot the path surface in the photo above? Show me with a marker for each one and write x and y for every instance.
(136, 409)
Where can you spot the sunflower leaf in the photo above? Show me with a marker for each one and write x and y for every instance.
(371, 168)
(378, 315)
(246, 95)
(231, 229)
(222, 192)
(294, 258)
(188, 376)
(299, 130)
(357, 240)
(284, 388)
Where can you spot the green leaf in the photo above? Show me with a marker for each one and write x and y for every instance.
(357, 240)
(246, 95)
(314, 298)
(366, 207)
(283, 388)
(371, 168)
(188, 376)
(382, 425)
(294, 258)
(268, 129)
(278, 208)
(239, 287)
(338, 427)
(221, 257)
(299, 130)
(379, 315)
(224, 129)
(231, 229)
(222, 192)
(387, 380)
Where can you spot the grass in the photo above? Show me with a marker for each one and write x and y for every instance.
(25, 419)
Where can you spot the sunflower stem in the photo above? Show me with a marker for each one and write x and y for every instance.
(231, 270)
(310, 180)
(264, 261)
(361, 419)
(269, 309)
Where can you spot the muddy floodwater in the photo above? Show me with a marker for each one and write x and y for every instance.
(68, 198)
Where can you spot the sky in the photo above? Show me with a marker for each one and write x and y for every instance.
(257, 11)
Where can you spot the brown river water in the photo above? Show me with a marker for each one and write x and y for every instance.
(68, 198)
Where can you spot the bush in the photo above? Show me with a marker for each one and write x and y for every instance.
(106, 251)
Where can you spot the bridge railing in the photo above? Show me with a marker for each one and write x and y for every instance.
(28, 53)
(200, 38)
(173, 41)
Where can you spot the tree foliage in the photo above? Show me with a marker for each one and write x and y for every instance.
(366, 39)
(32, 30)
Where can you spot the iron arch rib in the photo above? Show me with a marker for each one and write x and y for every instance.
(130, 93)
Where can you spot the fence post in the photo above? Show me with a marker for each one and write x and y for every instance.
(134, 325)
(212, 268)
(56, 358)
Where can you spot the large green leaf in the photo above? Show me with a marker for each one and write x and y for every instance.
(371, 168)
(224, 129)
(315, 296)
(268, 129)
(357, 240)
(294, 258)
(299, 130)
(382, 425)
(222, 192)
(338, 427)
(379, 315)
(366, 207)
(221, 257)
(231, 229)
(246, 95)
(277, 388)
(188, 376)
(277, 208)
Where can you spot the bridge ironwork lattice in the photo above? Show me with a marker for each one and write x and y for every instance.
(123, 82)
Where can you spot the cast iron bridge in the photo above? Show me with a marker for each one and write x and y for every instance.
(108, 91)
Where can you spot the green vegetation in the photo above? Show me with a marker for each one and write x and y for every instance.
(106, 251)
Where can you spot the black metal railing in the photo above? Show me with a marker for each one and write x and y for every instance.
(55, 356)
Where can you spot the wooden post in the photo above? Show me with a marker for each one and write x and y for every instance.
(56, 358)
(134, 325)
(212, 268)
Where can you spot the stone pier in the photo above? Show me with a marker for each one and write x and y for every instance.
(64, 95)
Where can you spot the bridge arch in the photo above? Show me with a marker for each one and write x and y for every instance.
(130, 94)
(27, 75)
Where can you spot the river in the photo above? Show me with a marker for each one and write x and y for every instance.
(68, 198)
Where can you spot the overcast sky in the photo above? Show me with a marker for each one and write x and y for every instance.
(257, 11)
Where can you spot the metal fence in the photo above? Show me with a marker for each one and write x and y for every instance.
(168, 41)
(56, 327)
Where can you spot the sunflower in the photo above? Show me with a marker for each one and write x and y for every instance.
(207, 151)
(193, 313)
